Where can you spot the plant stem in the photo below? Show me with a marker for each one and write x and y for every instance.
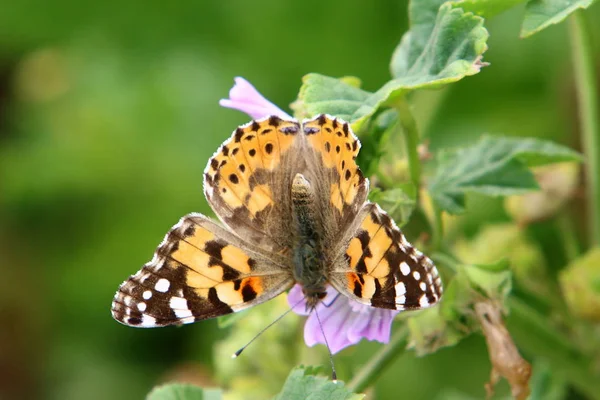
(569, 237)
(587, 88)
(438, 227)
(369, 373)
(411, 138)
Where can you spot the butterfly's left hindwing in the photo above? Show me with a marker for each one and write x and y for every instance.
(382, 269)
(200, 271)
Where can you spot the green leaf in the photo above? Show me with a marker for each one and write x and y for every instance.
(580, 285)
(322, 94)
(539, 14)
(494, 166)
(486, 8)
(454, 318)
(440, 48)
(180, 391)
(398, 202)
(303, 384)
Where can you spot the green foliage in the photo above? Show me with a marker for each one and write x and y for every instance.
(508, 241)
(486, 8)
(178, 391)
(580, 284)
(454, 320)
(425, 58)
(322, 94)
(442, 46)
(399, 202)
(303, 384)
(494, 166)
(539, 14)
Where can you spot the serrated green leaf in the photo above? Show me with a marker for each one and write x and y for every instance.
(494, 166)
(303, 384)
(441, 50)
(398, 202)
(322, 94)
(486, 8)
(183, 391)
(442, 46)
(539, 14)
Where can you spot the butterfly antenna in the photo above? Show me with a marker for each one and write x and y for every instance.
(237, 353)
(333, 373)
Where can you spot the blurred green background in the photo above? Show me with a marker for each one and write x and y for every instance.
(108, 114)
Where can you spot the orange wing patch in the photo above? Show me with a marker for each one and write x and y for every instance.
(232, 174)
(338, 147)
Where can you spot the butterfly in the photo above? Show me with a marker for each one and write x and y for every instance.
(293, 209)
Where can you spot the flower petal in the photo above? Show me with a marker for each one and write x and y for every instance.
(345, 322)
(244, 97)
(297, 300)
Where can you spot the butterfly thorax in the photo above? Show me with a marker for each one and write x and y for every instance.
(308, 268)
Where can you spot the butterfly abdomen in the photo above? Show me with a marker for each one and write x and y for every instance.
(308, 268)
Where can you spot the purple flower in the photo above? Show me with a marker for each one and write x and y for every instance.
(345, 321)
(245, 98)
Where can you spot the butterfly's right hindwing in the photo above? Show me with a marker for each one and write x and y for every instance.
(200, 271)
(381, 268)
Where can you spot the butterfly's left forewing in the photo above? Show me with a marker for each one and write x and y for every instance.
(199, 271)
(379, 267)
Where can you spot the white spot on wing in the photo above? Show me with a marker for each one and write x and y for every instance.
(400, 289)
(417, 275)
(148, 321)
(141, 306)
(179, 305)
(423, 286)
(147, 294)
(162, 285)
(423, 302)
(404, 268)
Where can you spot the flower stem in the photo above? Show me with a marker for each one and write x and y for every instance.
(368, 374)
(411, 137)
(438, 227)
(569, 237)
(587, 89)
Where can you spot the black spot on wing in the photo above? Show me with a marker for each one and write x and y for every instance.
(357, 289)
(248, 293)
(239, 132)
(213, 248)
(274, 120)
